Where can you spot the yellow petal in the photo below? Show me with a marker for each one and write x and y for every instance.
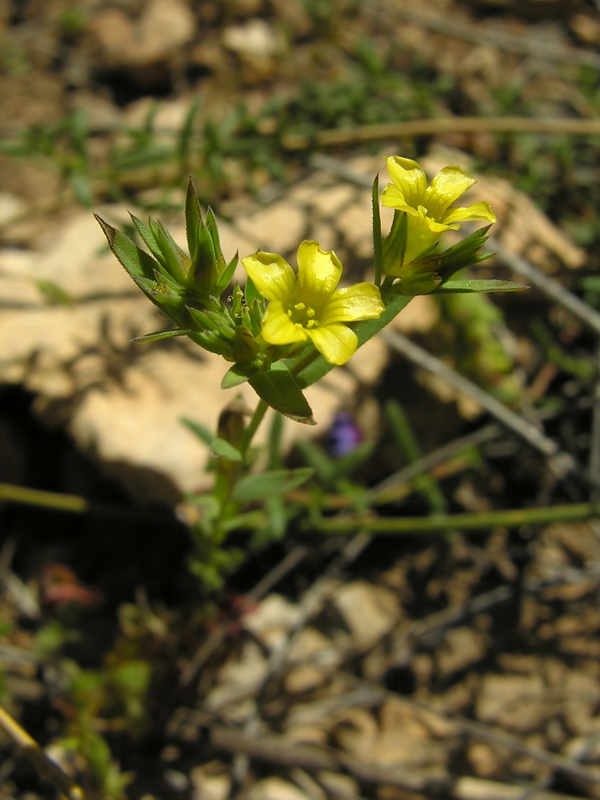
(319, 272)
(446, 187)
(271, 274)
(352, 304)
(409, 180)
(393, 197)
(336, 343)
(478, 210)
(277, 327)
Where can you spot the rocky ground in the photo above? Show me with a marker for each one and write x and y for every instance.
(456, 664)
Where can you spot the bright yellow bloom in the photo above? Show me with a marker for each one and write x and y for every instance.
(308, 305)
(428, 206)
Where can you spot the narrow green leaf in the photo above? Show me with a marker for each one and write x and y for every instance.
(275, 526)
(221, 447)
(184, 141)
(198, 429)
(278, 387)
(272, 483)
(218, 445)
(470, 286)
(81, 187)
(320, 461)
(136, 261)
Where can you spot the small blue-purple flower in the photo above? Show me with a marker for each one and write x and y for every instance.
(344, 435)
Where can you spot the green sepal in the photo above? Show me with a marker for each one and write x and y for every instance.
(193, 219)
(417, 283)
(227, 275)
(213, 230)
(147, 237)
(260, 486)
(235, 376)
(135, 260)
(160, 335)
(251, 292)
(471, 286)
(173, 258)
(377, 239)
(394, 245)
(161, 292)
(207, 267)
(278, 387)
(466, 253)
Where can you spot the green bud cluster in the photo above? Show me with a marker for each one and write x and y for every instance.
(188, 287)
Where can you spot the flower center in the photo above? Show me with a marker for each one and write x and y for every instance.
(301, 314)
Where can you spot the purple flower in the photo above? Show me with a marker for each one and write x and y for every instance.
(344, 435)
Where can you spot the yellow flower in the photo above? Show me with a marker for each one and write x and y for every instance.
(308, 305)
(428, 206)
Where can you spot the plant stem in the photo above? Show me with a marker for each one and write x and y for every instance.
(257, 418)
(36, 497)
(438, 523)
(44, 766)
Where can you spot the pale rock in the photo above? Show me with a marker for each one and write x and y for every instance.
(272, 621)
(515, 702)
(275, 789)
(238, 682)
(461, 648)
(162, 29)
(370, 611)
(256, 39)
(276, 229)
(11, 206)
(308, 644)
(209, 786)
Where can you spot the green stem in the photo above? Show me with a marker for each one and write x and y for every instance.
(45, 767)
(35, 497)
(438, 523)
(257, 418)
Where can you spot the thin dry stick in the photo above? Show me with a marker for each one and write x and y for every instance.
(311, 603)
(536, 47)
(562, 462)
(274, 749)
(439, 126)
(548, 286)
(43, 765)
(385, 489)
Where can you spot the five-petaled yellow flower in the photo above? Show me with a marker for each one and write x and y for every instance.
(308, 305)
(428, 206)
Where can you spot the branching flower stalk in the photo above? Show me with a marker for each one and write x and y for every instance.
(285, 329)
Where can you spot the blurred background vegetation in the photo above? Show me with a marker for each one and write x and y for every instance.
(119, 102)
